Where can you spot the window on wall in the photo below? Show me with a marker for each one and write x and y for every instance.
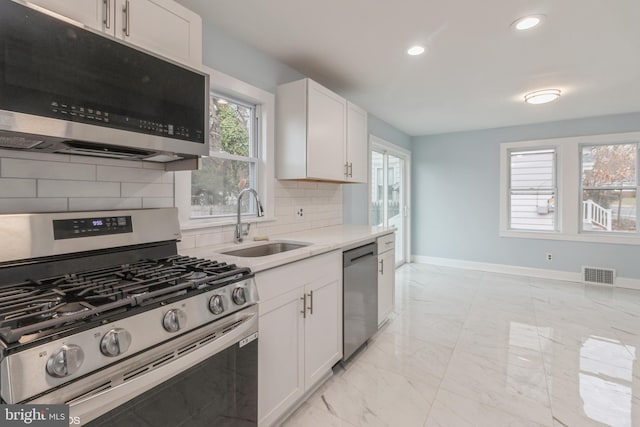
(532, 190)
(241, 146)
(609, 187)
(576, 188)
(232, 164)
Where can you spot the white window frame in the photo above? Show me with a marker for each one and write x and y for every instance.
(264, 101)
(568, 169)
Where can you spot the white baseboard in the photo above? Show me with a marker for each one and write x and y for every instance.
(568, 276)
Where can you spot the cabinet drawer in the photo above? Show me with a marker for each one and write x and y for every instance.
(386, 242)
(286, 278)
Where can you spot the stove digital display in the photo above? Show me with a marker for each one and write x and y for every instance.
(85, 227)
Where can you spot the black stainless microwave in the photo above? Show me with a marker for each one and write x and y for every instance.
(66, 88)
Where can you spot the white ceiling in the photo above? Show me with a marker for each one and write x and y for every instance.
(476, 69)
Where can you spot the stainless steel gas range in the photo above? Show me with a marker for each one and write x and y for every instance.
(98, 311)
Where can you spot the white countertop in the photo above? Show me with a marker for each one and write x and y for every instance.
(321, 240)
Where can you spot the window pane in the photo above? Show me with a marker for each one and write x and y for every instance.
(532, 169)
(377, 188)
(215, 187)
(532, 194)
(533, 211)
(230, 127)
(609, 179)
(609, 210)
(395, 200)
(609, 166)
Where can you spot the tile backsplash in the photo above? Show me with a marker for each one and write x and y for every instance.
(321, 205)
(37, 182)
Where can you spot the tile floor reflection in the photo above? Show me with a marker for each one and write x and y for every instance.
(469, 348)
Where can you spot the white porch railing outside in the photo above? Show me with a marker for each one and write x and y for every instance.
(377, 212)
(593, 213)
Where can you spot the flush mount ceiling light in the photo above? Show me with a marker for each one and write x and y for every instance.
(542, 96)
(527, 22)
(415, 50)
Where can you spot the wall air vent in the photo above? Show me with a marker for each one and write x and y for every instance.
(601, 276)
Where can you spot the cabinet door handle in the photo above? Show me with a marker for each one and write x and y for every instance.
(310, 302)
(106, 4)
(381, 262)
(350, 170)
(304, 306)
(126, 9)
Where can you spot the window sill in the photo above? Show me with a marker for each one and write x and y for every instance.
(196, 224)
(581, 237)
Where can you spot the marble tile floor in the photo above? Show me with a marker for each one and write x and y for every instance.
(470, 348)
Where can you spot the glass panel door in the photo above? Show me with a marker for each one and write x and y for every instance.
(388, 196)
(395, 202)
(377, 189)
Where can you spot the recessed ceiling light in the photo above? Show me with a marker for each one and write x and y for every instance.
(416, 50)
(542, 96)
(527, 22)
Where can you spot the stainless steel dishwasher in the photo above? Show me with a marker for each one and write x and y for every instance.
(360, 298)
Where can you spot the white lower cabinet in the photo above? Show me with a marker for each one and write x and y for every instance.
(386, 276)
(300, 331)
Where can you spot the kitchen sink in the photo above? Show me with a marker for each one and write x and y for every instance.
(266, 249)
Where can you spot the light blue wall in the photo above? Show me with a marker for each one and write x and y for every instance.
(455, 195)
(225, 53)
(385, 131)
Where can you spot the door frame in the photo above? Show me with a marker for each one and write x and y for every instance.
(386, 147)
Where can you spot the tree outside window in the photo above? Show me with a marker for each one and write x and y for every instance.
(232, 162)
(609, 187)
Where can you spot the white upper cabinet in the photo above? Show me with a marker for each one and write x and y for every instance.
(326, 127)
(356, 150)
(159, 26)
(88, 12)
(313, 134)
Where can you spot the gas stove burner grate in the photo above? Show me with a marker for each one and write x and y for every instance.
(70, 309)
(37, 306)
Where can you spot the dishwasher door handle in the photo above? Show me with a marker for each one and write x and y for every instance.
(360, 257)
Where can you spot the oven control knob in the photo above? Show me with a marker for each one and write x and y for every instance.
(216, 305)
(174, 320)
(115, 342)
(65, 361)
(238, 296)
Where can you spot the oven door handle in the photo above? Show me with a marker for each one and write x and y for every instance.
(104, 398)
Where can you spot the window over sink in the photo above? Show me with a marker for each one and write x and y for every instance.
(240, 148)
(232, 164)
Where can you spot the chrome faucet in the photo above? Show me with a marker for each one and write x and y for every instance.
(240, 232)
